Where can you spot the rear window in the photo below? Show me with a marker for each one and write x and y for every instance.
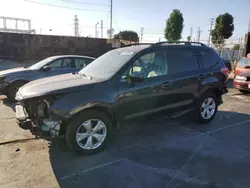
(208, 58)
(243, 62)
(181, 60)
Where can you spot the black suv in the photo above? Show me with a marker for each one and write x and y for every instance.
(123, 84)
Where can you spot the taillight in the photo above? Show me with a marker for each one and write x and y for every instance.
(225, 71)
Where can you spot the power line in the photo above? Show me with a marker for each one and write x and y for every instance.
(58, 6)
(76, 2)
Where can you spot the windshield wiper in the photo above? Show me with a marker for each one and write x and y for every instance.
(86, 76)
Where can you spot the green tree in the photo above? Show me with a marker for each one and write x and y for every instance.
(127, 35)
(224, 28)
(236, 47)
(188, 38)
(174, 26)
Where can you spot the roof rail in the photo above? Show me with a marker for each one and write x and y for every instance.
(177, 42)
(137, 44)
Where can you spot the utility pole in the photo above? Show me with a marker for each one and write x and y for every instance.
(198, 34)
(111, 17)
(211, 27)
(96, 32)
(141, 33)
(248, 26)
(76, 26)
(101, 28)
(191, 33)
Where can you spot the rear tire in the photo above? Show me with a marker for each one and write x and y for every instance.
(88, 132)
(206, 108)
(13, 88)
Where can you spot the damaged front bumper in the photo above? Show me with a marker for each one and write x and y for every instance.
(40, 127)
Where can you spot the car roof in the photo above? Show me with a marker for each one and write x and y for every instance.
(61, 56)
(135, 48)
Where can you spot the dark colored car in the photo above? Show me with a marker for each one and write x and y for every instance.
(242, 66)
(242, 82)
(124, 84)
(228, 65)
(12, 79)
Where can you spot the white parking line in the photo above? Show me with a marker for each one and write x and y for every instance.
(91, 169)
(172, 143)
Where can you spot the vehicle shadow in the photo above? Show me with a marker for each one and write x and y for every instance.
(151, 153)
(8, 103)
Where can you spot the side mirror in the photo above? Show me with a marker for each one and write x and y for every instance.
(247, 67)
(136, 77)
(46, 68)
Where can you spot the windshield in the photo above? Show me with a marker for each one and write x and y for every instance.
(107, 65)
(41, 64)
(244, 62)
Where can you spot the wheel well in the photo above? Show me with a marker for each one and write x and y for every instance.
(105, 110)
(18, 81)
(216, 91)
(11, 84)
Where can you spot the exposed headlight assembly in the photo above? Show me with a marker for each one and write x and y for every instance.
(243, 78)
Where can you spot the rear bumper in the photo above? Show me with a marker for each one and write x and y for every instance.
(242, 85)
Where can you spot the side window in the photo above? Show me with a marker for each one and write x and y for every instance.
(208, 58)
(181, 60)
(150, 65)
(61, 63)
(57, 64)
(80, 63)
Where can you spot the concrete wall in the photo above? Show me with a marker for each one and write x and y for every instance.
(29, 46)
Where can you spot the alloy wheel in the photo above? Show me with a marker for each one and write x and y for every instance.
(91, 134)
(208, 108)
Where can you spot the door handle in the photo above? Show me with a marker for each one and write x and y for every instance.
(201, 77)
(166, 84)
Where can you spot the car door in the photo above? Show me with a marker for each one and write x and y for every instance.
(143, 98)
(184, 69)
(60, 66)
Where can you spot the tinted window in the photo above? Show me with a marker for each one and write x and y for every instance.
(42, 63)
(181, 60)
(81, 62)
(61, 63)
(208, 58)
(243, 62)
(150, 65)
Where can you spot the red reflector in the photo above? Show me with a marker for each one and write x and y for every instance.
(225, 71)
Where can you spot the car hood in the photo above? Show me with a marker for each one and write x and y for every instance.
(246, 74)
(65, 83)
(15, 70)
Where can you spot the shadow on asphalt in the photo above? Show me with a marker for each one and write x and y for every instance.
(151, 155)
(10, 104)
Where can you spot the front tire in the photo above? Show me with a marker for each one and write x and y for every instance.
(207, 108)
(88, 132)
(13, 88)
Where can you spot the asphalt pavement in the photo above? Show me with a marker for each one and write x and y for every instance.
(157, 153)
